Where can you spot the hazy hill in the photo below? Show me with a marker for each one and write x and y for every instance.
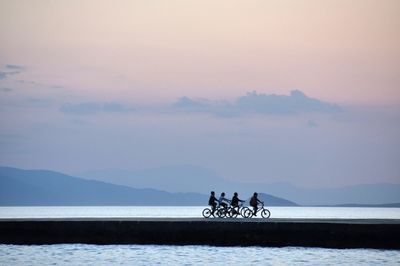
(40, 187)
(180, 178)
(362, 194)
(267, 199)
(201, 180)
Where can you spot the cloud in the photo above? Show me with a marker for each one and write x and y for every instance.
(185, 102)
(296, 102)
(255, 103)
(4, 75)
(218, 108)
(10, 70)
(15, 67)
(28, 82)
(90, 108)
(5, 89)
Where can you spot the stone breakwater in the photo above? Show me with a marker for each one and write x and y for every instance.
(329, 233)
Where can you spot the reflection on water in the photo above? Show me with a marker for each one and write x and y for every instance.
(77, 254)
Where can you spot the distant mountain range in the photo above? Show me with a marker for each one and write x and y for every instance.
(177, 186)
(47, 188)
(184, 178)
(389, 205)
(267, 199)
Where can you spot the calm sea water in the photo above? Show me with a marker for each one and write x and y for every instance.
(195, 211)
(78, 254)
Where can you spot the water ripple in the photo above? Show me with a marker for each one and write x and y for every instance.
(79, 254)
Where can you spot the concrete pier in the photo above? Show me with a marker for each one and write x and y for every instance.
(329, 233)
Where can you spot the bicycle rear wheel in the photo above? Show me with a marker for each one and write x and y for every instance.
(206, 213)
(265, 213)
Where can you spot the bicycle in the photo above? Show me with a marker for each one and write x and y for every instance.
(235, 211)
(265, 213)
(219, 211)
(207, 212)
(223, 212)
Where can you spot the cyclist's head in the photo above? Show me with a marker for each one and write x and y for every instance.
(212, 193)
(235, 194)
(223, 194)
(255, 194)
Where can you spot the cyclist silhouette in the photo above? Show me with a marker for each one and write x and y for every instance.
(212, 202)
(254, 202)
(235, 201)
(223, 201)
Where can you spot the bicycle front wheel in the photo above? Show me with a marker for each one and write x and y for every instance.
(233, 213)
(265, 213)
(206, 213)
(221, 213)
(247, 213)
(243, 212)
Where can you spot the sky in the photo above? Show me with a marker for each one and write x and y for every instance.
(300, 91)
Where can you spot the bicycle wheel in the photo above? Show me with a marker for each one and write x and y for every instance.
(221, 213)
(233, 213)
(265, 213)
(206, 213)
(248, 213)
(242, 211)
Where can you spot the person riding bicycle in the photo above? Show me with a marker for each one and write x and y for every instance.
(212, 202)
(223, 201)
(235, 201)
(254, 202)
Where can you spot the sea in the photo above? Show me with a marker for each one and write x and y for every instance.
(82, 254)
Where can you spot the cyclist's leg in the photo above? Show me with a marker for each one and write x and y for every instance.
(238, 209)
(213, 207)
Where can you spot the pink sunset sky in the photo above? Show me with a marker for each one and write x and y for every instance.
(97, 84)
(341, 51)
